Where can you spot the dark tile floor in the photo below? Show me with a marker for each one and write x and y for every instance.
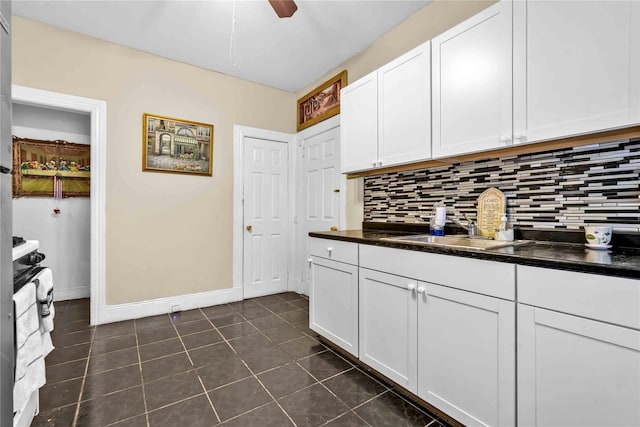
(250, 363)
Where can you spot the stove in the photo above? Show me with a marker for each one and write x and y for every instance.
(24, 248)
(26, 262)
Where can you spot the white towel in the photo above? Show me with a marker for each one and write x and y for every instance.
(44, 293)
(30, 369)
(47, 344)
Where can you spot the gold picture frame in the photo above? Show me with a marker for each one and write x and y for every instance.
(176, 145)
(321, 103)
(50, 168)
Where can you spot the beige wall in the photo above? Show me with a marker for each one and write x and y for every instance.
(430, 21)
(171, 234)
(166, 234)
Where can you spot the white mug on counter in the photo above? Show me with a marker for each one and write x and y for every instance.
(597, 235)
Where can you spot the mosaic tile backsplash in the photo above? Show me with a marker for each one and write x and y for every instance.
(565, 189)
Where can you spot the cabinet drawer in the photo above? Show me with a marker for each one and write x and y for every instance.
(335, 250)
(484, 277)
(609, 299)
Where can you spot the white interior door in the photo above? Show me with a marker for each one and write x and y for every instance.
(265, 195)
(321, 187)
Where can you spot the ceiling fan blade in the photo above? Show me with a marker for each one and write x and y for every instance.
(284, 8)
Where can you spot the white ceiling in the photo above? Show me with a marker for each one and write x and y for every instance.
(287, 53)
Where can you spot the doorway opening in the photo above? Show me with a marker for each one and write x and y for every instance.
(96, 112)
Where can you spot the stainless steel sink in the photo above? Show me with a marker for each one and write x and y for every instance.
(454, 241)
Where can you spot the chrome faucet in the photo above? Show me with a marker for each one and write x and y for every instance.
(470, 226)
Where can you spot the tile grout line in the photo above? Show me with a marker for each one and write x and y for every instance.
(296, 361)
(269, 393)
(193, 368)
(84, 378)
(321, 382)
(142, 381)
(267, 313)
(224, 339)
(254, 374)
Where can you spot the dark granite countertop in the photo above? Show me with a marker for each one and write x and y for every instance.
(620, 261)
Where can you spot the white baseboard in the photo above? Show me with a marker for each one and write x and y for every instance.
(297, 286)
(63, 294)
(135, 310)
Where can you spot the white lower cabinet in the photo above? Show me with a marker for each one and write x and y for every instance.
(444, 328)
(576, 372)
(333, 293)
(453, 348)
(577, 364)
(388, 325)
(466, 355)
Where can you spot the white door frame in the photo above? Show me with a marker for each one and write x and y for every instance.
(98, 134)
(239, 133)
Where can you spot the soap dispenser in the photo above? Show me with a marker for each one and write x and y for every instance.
(503, 232)
(439, 219)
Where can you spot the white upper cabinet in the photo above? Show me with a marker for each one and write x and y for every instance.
(359, 124)
(385, 116)
(472, 84)
(518, 72)
(404, 108)
(576, 67)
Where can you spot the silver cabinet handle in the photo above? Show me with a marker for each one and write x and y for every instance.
(329, 250)
(505, 138)
(375, 163)
(411, 287)
(420, 289)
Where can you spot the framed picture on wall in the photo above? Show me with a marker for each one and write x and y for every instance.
(176, 146)
(322, 102)
(50, 168)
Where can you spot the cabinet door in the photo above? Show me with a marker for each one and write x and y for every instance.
(333, 302)
(472, 84)
(576, 67)
(359, 124)
(466, 355)
(404, 108)
(574, 371)
(388, 324)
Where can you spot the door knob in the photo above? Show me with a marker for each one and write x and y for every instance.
(249, 228)
(334, 228)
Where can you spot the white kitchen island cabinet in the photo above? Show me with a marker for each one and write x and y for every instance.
(472, 84)
(388, 325)
(576, 67)
(578, 349)
(466, 355)
(385, 116)
(333, 292)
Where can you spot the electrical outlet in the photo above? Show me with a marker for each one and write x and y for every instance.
(175, 308)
